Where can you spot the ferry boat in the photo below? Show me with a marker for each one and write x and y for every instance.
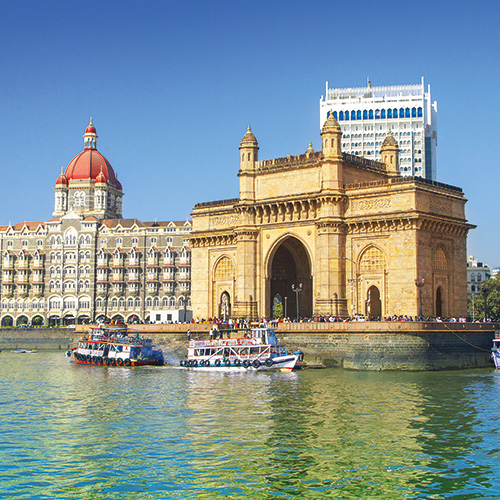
(115, 347)
(495, 350)
(258, 349)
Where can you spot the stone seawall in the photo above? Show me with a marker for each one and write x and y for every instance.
(356, 346)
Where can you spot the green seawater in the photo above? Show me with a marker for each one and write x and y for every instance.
(80, 432)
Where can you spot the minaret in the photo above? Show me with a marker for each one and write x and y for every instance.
(249, 151)
(332, 177)
(90, 137)
(390, 154)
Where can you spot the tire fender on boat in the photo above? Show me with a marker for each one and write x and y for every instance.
(119, 362)
(246, 363)
(256, 363)
(127, 362)
(227, 362)
(269, 362)
(88, 358)
(217, 362)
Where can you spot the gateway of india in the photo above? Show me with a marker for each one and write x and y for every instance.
(328, 233)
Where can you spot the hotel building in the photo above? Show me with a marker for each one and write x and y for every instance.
(88, 263)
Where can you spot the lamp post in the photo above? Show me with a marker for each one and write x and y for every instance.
(286, 309)
(297, 290)
(420, 283)
(354, 285)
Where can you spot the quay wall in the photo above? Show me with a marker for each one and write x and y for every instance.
(356, 346)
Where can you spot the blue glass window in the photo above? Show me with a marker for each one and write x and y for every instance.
(413, 112)
(358, 115)
(389, 113)
(341, 116)
(407, 113)
(419, 112)
(353, 115)
(382, 114)
(365, 115)
(370, 114)
(401, 113)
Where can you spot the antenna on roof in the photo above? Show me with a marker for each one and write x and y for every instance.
(368, 83)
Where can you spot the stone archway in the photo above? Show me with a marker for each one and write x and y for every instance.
(373, 303)
(225, 306)
(289, 266)
(7, 321)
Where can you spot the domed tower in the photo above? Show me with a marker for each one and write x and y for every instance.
(89, 185)
(390, 154)
(249, 155)
(331, 134)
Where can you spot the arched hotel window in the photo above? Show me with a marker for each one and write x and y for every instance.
(341, 115)
(377, 114)
(365, 114)
(370, 114)
(335, 115)
(413, 112)
(401, 113)
(419, 112)
(358, 115)
(353, 115)
(389, 113)
(382, 114)
(407, 113)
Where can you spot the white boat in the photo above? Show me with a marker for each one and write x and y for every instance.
(24, 351)
(257, 349)
(495, 350)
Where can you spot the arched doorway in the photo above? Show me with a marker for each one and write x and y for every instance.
(37, 321)
(225, 307)
(7, 321)
(289, 268)
(439, 302)
(373, 303)
(22, 320)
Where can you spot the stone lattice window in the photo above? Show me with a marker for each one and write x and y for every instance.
(372, 260)
(439, 261)
(224, 269)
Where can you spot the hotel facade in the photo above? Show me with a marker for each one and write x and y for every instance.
(88, 263)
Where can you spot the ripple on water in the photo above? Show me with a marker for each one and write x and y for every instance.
(97, 433)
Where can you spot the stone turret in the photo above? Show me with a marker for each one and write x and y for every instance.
(332, 170)
(332, 138)
(390, 154)
(249, 154)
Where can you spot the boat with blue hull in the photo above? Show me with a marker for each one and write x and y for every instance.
(255, 349)
(115, 347)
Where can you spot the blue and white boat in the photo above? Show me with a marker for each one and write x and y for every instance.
(256, 350)
(495, 350)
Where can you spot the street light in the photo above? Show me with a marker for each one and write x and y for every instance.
(297, 290)
(420, 283)
(354, 285)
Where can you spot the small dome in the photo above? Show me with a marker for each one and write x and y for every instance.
(90, 129)
(249, 139)
(389, 142)
(331, 124)
(100, 179)
(62, 180)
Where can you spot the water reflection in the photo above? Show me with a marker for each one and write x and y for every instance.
(157, 432)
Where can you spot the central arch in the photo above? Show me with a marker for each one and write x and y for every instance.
(289, 265)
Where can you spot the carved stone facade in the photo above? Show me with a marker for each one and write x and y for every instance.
(327, 233)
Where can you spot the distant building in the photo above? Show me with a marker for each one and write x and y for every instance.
(366, 114)
(477, 272)
(88, 263)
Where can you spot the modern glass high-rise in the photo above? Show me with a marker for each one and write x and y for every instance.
(366, 114)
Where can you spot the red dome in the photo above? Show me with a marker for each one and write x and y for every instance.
(62, 180)
(88, 165)
(101, 179)
(90, 129)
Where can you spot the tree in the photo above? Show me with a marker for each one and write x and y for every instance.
(488, 294)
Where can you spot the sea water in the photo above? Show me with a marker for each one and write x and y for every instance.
(88, 432)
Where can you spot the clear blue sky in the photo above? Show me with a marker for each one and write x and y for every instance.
(172, 86)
